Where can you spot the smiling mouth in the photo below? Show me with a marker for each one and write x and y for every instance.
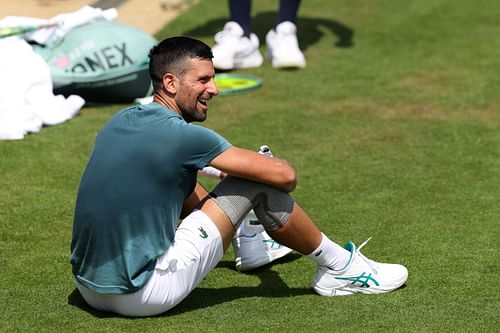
(203, 101)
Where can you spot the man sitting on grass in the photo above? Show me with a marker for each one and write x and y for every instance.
(127, 254)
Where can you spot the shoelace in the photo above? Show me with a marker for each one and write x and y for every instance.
(226, 35)
(222, 36)
(364, 243)
(373, 265)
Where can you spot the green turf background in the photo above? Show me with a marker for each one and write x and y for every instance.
(394, 129)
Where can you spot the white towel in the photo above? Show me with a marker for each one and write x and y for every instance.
(27, 100)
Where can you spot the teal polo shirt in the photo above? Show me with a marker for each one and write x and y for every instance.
(143, 165)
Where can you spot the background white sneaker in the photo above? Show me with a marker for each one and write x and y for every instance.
(361, 275)
(232, 50)
(283, 47)
(253, 247)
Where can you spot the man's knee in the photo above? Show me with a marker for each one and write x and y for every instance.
(237, 196)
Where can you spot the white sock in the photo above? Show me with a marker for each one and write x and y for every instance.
(240, 230)
(330, 254)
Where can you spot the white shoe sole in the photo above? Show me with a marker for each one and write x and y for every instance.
(286, 62)
(277, 254)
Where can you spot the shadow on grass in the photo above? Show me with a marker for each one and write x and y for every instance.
(271, 286)
(75, 299)
(309, 29)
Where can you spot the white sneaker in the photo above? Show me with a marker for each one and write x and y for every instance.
(253, 247)
(232, 50)
(283, 47)
(361, 275)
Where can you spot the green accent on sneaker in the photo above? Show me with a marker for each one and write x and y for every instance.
(351, 248)
(274, 244)
(363, 279)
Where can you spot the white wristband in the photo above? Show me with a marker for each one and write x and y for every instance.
(210, 172)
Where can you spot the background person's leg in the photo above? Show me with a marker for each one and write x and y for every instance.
(240, 11)
(282, 43)
(287, 11)
(236, 46)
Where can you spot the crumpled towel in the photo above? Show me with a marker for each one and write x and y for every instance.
(27, 101)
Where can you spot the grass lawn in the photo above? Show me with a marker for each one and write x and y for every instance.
(394, 129)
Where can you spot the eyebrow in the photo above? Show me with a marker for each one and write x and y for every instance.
(206, 77)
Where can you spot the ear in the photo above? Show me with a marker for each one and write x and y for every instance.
(170, 83)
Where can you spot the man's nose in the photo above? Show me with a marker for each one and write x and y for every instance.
(212, 89)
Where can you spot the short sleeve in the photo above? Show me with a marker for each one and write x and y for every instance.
(201, 145)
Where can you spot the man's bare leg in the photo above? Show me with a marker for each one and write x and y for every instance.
(201, 200)
(340, 271)
(298, 233)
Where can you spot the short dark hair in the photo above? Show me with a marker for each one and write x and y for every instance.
(170, 55)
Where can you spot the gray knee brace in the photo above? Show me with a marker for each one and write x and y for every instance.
(237, 196)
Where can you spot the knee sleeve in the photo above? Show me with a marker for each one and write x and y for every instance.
(237, 196)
